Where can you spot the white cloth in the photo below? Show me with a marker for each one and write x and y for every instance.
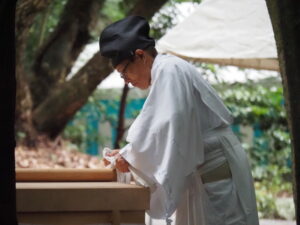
(139, 178)
(121, 177)
(226, 32)
(168, 139)
(225, 202)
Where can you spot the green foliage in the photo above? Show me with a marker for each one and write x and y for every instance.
(163, 20)
(76, 131)
(265, 202)
(103, 105)
(114, 10)
(43, 25)
(256, 103)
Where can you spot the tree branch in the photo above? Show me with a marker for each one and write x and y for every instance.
(57, 56)
(147, 8)
(120, 129)
(51, 116)
(65, 100)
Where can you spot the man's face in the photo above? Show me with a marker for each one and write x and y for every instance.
(136, 70)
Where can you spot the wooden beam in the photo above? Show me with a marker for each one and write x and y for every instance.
(81, 218)
(79, 203)
(49, 175)
(81, 196)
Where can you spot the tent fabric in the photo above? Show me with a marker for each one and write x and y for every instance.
(226, 32)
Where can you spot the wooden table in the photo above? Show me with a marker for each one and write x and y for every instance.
(78, 203)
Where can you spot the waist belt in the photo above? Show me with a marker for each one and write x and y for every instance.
(220, 173)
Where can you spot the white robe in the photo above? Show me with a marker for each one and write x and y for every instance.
(182, 132)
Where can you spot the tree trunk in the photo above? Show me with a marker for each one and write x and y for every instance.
(25, 13)
(121, 129)
(146, 8)
(51, 116)
(65, 100)
(7, 108)
(57, 56)
(285, 17)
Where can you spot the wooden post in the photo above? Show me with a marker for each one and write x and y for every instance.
(7, 109)
(285, 19)
(116, 218)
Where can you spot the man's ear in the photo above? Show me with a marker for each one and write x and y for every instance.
(140, 53)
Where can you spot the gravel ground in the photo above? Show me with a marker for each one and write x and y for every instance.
(261, 222)
(277, 222)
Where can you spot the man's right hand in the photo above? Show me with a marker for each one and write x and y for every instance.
(113, 153)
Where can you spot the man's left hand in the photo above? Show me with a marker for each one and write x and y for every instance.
(121, 164)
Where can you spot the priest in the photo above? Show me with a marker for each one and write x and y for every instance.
(181, 143)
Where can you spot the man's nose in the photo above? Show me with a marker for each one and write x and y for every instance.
(127, 80)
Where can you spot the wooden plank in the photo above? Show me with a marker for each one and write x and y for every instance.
(81, 196)
(80, 218)
(48, 175)
(75, 185)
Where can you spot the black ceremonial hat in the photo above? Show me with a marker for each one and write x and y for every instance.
(119, 40)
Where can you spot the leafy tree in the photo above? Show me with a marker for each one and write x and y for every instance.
(50, 36)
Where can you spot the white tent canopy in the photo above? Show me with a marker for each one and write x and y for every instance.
(226, 32)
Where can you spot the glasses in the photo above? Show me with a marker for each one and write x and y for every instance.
(123, 73)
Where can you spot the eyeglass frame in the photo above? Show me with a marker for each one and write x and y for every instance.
(122, 74)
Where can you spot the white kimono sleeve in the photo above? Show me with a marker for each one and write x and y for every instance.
(165, 139)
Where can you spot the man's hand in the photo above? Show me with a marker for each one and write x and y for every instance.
(115, 151)
(121, 163)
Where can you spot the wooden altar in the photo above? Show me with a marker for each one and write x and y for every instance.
(78, 197)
